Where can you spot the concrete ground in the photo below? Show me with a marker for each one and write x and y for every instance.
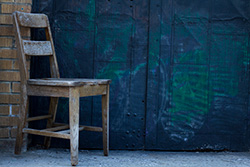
(61, 157)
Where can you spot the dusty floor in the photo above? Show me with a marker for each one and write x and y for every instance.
(61, 157)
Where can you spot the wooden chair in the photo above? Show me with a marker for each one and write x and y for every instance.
(55, 87)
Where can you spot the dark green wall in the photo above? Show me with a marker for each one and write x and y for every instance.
(179, 70)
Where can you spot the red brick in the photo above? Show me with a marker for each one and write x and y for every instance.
(13, 121)
(15, 109)
(4, 87)
(6, 42)
(7, 0)
(6, 31)
(10, 99)
(4, 121)
(16, 87)
(8, 53)
(24, 1)
(9, 31)
(5, 19)
(4, 110)
(10, 8)
(9, 76)
(4, 132)
(8, 121)
(6, 64)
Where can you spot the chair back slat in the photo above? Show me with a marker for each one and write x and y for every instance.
(37, 48)
(32, 20)
(34, 48)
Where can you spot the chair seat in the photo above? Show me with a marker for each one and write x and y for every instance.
(68, 81)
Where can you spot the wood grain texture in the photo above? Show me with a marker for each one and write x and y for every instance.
(23, 89)
(32, 20)
(74, 124)
(38, 118)
(92, 90)
(105, 122)
(87, 128)
(90, 128)
(24, 104)
(20, 52)
(52, 111)
(57, 128)
(68, 81)
(46, 133)
(37, 48)
(54, 70)
(51, 91)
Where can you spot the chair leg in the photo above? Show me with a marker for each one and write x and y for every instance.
(52, 111)
(24, 104)
(74, 124)
(105, 122)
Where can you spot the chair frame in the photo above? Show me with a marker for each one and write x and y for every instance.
(54, 88)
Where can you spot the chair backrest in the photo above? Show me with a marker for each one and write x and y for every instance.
(34, 48)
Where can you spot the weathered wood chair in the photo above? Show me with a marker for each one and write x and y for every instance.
(55, 87)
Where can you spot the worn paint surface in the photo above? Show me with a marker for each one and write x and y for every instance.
(179, 70)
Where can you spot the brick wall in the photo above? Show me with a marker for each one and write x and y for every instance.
(9, 71)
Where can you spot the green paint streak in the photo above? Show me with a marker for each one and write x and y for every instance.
(115, 43)
(90, 10)
(230, 59)
(190, 94)
(194, 55)
(138, 67)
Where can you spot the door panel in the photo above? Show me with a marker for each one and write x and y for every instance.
(179, 70)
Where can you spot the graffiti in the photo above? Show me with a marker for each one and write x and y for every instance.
(179, 70)
(197, 88)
